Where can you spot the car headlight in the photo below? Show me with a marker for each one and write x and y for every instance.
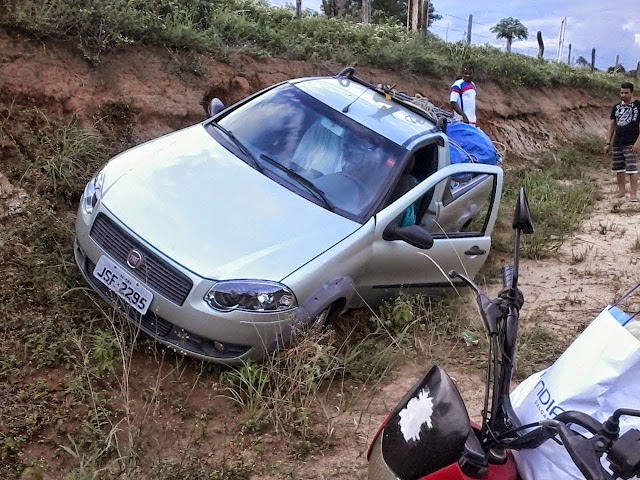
(251, 295)
(92, 193)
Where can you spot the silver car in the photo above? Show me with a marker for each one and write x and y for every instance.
(308, 198)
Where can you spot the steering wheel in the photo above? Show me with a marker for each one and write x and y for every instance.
(359, 189)
(344, 190)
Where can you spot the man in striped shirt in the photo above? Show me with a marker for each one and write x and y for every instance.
(463, 97)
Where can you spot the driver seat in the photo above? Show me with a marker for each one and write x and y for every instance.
(320, 147)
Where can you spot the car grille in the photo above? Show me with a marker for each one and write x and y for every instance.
(162, 277)
(149, 321)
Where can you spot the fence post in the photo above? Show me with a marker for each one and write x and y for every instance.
(593, 59)
(298, 8)
(469, 29)
(540, 46)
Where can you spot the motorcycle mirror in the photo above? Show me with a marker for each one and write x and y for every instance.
(215, 106)
(522, 215)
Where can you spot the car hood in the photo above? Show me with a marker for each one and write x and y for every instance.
(196, 202)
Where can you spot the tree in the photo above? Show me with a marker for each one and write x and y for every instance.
(510, 28)
(616, 69)
(397, 10)
(334, 8)
(582, 62)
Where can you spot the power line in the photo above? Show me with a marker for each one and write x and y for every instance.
(452, 16)
(576, 51)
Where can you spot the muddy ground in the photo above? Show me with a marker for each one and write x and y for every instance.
(182, 421)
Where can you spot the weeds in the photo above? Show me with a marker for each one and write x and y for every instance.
(62, 156)
(256, 28)
(559, 185)
(248, 386)
(538, 347)
(580, 256)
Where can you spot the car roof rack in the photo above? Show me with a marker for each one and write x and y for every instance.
(417, 103)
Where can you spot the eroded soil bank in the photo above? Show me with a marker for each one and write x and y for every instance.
(168, 90)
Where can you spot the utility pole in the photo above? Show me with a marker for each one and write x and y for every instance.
(298, 8)
(569, 57)
(593, 59)
(563, 26)
(469, 29)
(638, 71)
(615, 66)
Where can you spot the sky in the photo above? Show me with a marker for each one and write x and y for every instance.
(611, 27)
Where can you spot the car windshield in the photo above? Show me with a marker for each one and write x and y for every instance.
(348, 164)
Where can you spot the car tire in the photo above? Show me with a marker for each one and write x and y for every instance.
(327, 315)
(320, 320)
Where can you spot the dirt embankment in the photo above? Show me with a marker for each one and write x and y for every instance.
(165, 90)
(168, 90)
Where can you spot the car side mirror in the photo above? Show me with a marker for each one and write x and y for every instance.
(413, 234)
(522, 215)
(215, 106)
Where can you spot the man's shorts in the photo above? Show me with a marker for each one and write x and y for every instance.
(624, 160)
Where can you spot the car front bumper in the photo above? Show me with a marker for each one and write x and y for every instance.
(192, 327)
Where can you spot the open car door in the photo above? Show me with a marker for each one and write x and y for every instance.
(456, 207)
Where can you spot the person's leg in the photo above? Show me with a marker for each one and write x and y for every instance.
(633, 186)
(618, 167)
(620, 179)
(631, 166)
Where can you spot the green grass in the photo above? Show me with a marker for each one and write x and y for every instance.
(227, 27)
(538, 347)
(560, 192)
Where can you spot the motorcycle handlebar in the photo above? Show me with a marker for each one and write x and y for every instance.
(507, 276)
(582, 452)
(585, 452)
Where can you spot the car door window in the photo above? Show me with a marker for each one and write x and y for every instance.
(459, 205)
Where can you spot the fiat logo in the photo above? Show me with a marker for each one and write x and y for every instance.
(134, 259)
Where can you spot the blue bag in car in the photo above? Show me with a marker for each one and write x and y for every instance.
(470, 144)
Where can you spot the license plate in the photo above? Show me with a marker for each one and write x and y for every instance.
(123, 284)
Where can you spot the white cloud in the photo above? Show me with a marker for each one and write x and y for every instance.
(636, 37)
(540, 23)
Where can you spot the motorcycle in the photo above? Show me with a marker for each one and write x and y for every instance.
(428, 435)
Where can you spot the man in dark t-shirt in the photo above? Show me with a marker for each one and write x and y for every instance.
(624, 130)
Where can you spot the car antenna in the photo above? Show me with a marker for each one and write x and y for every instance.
(346, 108)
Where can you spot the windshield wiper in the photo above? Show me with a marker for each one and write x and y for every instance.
(302, 180)
(239, 145)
